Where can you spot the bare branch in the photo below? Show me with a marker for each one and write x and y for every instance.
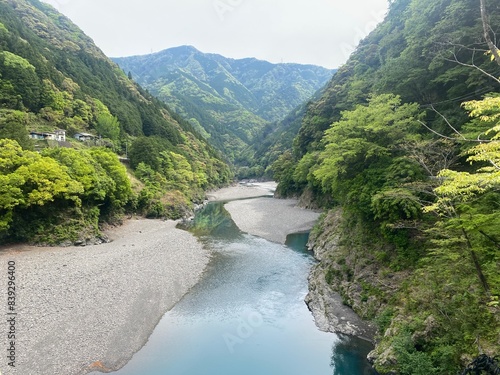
(447, 122)
(456, 60)
(435, 132)
(451, 138)
(464, 47)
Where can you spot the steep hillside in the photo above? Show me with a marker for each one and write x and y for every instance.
(403, 146)
(52, 77)
(228, 100)
(275, 139)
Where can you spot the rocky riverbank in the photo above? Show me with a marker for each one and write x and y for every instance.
(330, 309)
(349, 287)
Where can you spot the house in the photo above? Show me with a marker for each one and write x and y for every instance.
(37, 135)
(58, 135)
(83, 137)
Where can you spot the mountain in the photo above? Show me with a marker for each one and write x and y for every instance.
(275, 139)
(54, 79)
(228, 100)
(401, 149)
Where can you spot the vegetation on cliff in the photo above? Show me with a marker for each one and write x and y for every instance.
(405, 140)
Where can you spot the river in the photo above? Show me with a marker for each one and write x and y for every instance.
(247, 315)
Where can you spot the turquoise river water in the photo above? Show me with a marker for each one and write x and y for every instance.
(247, 316)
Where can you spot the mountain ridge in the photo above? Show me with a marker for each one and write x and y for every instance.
(228, 100)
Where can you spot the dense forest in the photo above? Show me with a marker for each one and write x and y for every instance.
(230, 101)
(53, 78)
(403, 149)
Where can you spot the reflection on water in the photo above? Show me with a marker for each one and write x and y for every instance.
(213, 222)
(247, 315)
(349, 356)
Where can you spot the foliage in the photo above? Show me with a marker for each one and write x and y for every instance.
(40, 190)
(361, 149)
(456, 285)
(410, 360)
(13, 126)
(108, 126)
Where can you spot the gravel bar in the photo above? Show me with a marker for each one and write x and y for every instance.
(243, 191)
(269, 218)
(81, 309)
(266, 217)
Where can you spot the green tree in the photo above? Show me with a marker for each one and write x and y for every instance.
(459, 195)
(84, 168)
(360, 149)
(108, 126)
(28, 179)
(22, 75)
(144, 150)
(13, 126)
(119, 192)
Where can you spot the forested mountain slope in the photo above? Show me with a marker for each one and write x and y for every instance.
(53, 77)
(403, 146)
(228, 100)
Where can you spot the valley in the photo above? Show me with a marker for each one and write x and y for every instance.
(391, 162)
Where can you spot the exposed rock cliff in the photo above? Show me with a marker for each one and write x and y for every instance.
(348, 287)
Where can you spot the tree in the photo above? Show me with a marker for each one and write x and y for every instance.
(487, 29)
(361, 148)
(13, 126)
(119, 192)
(144, 150)
(108, 126)
(83, 167)
(29, 180)
(460, 191)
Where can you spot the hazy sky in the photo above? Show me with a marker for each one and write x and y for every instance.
(321, 32)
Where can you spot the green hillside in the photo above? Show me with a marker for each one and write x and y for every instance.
(52, 77)
(229, 101)
(403, 148)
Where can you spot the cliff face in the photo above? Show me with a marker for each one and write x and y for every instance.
(376, 143)
(348, 287)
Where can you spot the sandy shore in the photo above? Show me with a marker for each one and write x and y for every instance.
(242, 191)
(84, 308)
(272, 219)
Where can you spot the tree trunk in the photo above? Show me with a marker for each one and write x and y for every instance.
(479, 271)
(484, 17)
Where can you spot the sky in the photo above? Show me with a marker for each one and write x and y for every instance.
(320, 32)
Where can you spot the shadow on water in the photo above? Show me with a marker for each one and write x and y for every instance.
(298, 242)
